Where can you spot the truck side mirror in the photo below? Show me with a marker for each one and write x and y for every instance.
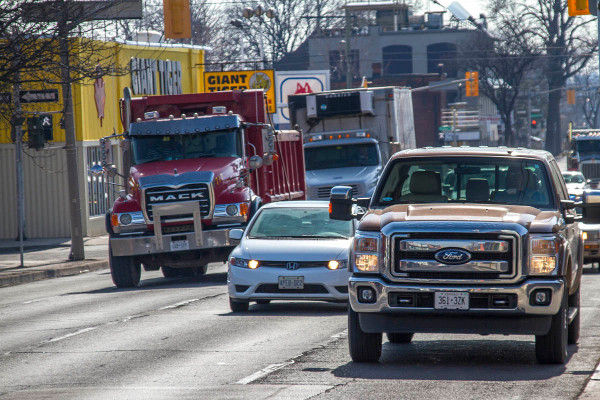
(97, 170)
(341, 203)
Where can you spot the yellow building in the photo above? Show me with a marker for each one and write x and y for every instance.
(152, 68)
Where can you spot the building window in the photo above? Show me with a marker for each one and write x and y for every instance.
(397, 59)
(441, 58)
(337, 64)
(101, 189)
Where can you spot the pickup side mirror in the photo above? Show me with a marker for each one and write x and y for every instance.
(567, 204)
(341, 203)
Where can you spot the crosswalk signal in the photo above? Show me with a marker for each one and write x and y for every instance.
(178, 20)
(579, 7)
(472, 83)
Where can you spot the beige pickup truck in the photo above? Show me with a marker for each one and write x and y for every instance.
(464, 240)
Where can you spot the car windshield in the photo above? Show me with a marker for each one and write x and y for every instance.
(226, 143)
(466, 180)
(573, 178)
(309, 222)
(342, 156)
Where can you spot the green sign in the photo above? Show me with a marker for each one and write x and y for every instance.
(536, 115)
(445, 128)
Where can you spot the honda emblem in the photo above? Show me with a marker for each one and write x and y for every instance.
(292, 265)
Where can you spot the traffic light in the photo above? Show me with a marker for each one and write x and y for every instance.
(178, 22)
(534, 123)
(581, 7)
(472, 83)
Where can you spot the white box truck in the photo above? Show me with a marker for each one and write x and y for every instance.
(349, 135)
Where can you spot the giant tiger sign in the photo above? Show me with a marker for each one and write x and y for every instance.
(237, 80)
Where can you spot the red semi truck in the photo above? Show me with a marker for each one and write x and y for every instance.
(196, 166)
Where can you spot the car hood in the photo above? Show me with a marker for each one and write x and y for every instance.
(295, 249)
(533, 219)
(575, 188)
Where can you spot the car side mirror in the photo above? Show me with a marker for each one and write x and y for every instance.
(236, 234)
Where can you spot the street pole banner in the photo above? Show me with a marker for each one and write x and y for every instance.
(237, 80)
(297, 82)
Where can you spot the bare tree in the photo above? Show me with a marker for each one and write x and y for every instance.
(587, 85)
(568, 44)
(503, 62)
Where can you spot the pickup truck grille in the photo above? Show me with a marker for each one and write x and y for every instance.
(491, 256)
(324, 192)
(165, 194)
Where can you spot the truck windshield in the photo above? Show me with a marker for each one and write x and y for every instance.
(295, 222)
(588, 147)
(342, 156)
(466, 180)
(225, 143)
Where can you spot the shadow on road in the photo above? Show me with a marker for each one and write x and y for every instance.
(457, 360)
(210, 279)
(293, 309)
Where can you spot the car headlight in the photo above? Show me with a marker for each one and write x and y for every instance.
(543, 255)
(366, 258)
(243, 263)
(337, 264)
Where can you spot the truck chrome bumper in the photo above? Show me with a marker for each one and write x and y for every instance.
(519, 296)
(141, 245)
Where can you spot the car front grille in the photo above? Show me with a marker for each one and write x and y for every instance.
(308, 288)
(324, 192)
(293, 265)
(165, 195)
(491, 256)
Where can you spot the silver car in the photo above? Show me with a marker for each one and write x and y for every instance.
(291, 250)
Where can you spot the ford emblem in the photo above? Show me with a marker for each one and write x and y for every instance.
(452, 256)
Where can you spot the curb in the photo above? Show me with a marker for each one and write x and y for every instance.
(13, 278)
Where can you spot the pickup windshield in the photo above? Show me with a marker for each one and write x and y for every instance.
(225, 143)
(291, 223)
(466, 180)
(341, 156)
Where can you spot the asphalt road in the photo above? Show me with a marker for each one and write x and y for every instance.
(80, 337)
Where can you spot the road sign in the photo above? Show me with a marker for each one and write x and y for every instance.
(90, 10)
(445, 128)
(33, 96)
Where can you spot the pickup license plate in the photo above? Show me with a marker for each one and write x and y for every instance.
(178, 245)
(451, 300)
(291, 282)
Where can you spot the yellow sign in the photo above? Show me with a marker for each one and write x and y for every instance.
(236, 80)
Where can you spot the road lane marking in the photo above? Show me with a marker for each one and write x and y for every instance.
(79, 332)
(36, 301)
(264, 372)
(180, 304)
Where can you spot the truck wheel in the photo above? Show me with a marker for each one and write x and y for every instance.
(169, 272)
(551, 348)
(202, 270)
(125, 271)
(394, 337)
(574, 326)
(364, 347)
(238, 305)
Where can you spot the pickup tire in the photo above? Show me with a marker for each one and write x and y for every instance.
(125, 271)
(238, 305)
(394, 337)
(574, 326)
(364, 347)
(551, 348)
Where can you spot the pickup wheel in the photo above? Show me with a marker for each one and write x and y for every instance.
(238, 305)
(364, 347)
(394, 337)
(125, 271)
(574, 326)
(551, 348)
(169, 272)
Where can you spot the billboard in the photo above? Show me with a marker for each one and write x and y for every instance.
(297, 82)
(236, 80)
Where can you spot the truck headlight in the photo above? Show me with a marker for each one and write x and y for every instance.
(543, 255)
(366, 258)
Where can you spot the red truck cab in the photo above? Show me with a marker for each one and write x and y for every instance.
(196, 166)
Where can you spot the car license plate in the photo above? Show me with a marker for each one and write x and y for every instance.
(291, 282)
(451, 300)
(178, 245)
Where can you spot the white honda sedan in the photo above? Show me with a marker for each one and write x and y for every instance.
(290, 250)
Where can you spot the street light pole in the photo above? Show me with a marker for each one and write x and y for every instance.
(259, 11)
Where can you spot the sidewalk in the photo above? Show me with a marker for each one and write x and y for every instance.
(48, 258)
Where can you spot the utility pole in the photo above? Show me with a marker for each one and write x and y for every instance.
(77, 250)
(348, 64)
(17, 125)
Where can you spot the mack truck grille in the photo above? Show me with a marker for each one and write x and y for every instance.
(590, 170)
(324, 192)
(451, 256)
(164, 195)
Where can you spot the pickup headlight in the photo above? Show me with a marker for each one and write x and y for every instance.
(543, 255)
(366, 257)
